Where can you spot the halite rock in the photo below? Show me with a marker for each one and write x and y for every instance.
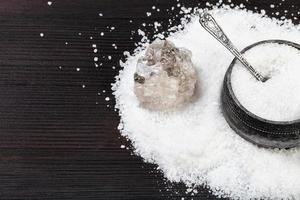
(165, 76)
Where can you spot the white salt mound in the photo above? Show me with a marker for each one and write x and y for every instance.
(277, 99)
(195, 145)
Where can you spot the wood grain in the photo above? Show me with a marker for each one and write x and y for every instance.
(59, 140)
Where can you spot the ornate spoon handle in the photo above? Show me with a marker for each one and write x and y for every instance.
(209, 24)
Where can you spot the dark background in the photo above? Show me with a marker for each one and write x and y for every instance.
(59, 140)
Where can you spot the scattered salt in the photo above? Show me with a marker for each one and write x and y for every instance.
(195, 145)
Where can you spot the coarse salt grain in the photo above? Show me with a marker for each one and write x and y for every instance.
(195, 145)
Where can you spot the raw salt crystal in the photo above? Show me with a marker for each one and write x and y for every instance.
(195, 145)
(94, 45)
(148, 14)
(100, 15)
(42, 34)
(49, 3)
(95, 50)
(102, 34)
(78, 69)
(96, 59)
(165, 77)
(107, 98)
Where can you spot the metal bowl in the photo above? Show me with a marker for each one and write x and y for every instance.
(262, 132)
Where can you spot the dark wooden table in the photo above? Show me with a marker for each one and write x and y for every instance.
(58, 139)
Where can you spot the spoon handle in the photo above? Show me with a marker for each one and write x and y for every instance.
(209, 24)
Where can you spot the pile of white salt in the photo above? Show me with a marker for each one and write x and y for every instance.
(195, 145)
(277, 99)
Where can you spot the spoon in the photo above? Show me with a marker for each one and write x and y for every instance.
(211, 26)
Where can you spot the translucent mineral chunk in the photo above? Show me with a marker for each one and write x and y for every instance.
(165, 77)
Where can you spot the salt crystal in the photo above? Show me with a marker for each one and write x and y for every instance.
(42, 34)
(96, 59)
(49, 3)
(107, 98)
(78, 69)
(165, 77)
(195, 145)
